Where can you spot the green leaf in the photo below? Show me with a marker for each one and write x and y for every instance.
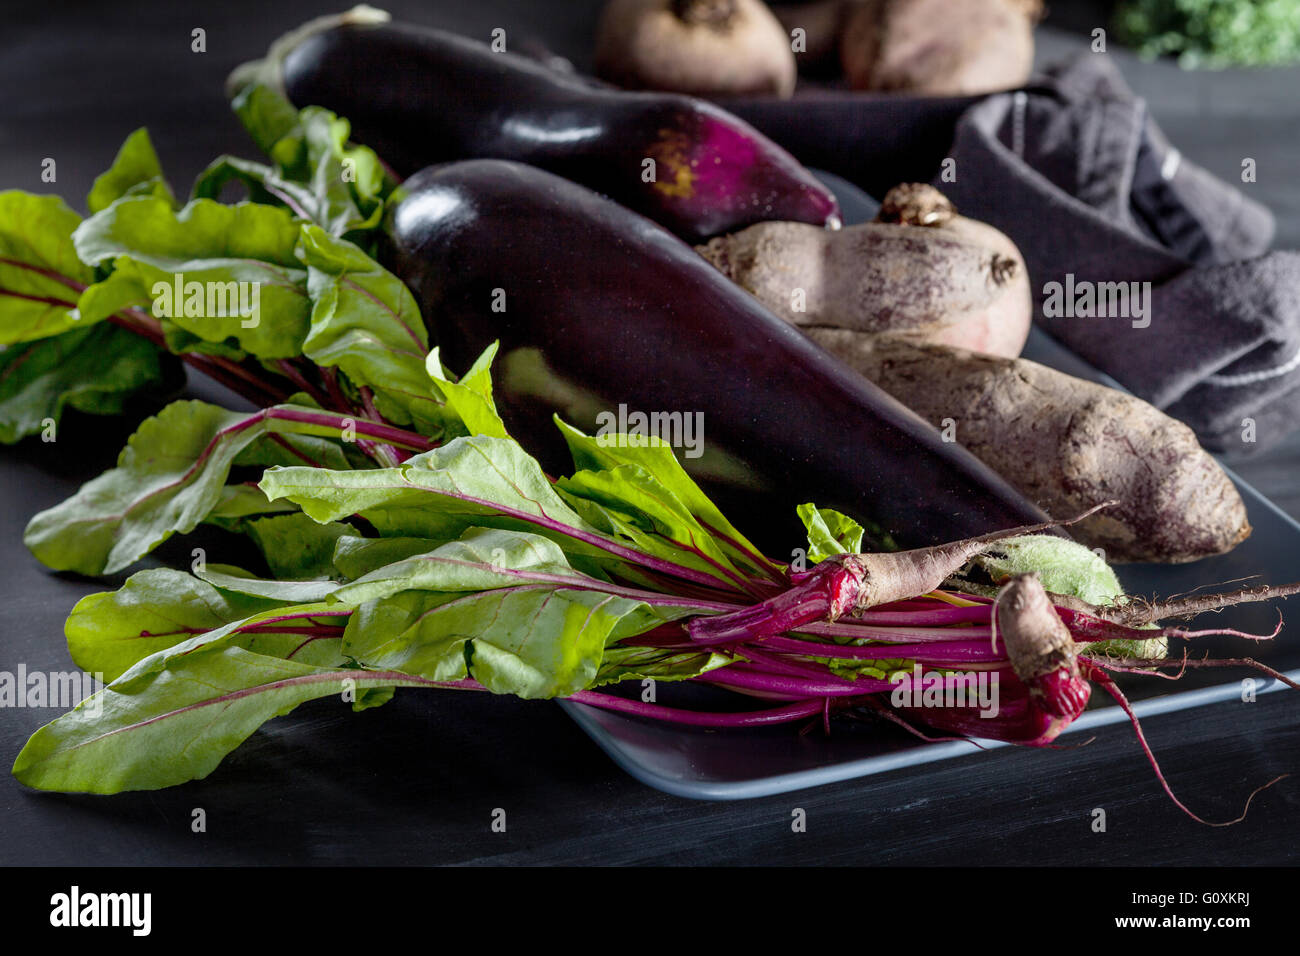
(622, 662)
(170, 477)
(504, 607)
(316, 173)
(470, 398)
(40, 273)
(240, 502)
(293, 616)
(629, 501)
(296, 547)
(264, 185)
(1063, 566)
(267, 115)
(829, 532)
(657, 458)
(157, 726)
(356, 556)
(348, 180)
(156, 609)
(225, 274)
(470, 481)
(92, 370)
(135, 172)
(281, 447)
(481, 559)
(365, 322)
(437, 494)
(528, 641)
(230, 578)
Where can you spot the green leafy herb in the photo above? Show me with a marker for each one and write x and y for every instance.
(41, 378)
(160, 726)
(170, 477)
(316, 173)
(1213, 33)
(135, 172)
(297, 547)
(110, 631)
(223, 274)
(829, 532)
(365, 322)
(40, 273)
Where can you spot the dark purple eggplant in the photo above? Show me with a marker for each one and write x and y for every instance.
(596, 306)
(419, 96)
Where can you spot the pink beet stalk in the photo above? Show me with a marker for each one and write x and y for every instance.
(825, 593)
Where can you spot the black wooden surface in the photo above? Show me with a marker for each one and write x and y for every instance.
(417, 781)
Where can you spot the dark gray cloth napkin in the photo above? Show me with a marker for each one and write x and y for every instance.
(1077, 173)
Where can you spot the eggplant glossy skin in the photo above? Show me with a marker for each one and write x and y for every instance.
(419, 96)
(595, 306)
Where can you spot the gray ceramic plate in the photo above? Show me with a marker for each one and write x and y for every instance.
(736, 764)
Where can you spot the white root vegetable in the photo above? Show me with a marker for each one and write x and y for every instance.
(939, 47)
(1065, 443)
(701, 47)
(911, 300)
(920, 270)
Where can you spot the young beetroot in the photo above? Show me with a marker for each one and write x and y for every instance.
(1045, 657)
(852, 583)
(1040, 648)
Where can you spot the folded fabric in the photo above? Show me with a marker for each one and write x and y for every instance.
(1148, 266)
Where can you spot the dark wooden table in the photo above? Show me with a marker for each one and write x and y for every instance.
(417, 781)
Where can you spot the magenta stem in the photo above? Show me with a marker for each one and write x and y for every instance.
(856, 632)
(335, 422)
(744, 676)
(937, 614)
(822, 594)
(753, 718)
(952, 652)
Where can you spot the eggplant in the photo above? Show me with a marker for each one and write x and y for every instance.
(595, 307)
(419, 96)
